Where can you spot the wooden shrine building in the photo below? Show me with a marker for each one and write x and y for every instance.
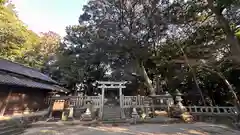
(23, 89)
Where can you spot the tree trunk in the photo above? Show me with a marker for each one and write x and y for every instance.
(193, 74)
(199, 89)
(147, 80)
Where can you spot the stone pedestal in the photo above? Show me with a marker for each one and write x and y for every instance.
(179, 104)
(65, 114)
(178, 109)
(87, 116)
(27, 111)
(147, 108)
(71, 110)
(71, 113)
(160, 100)
(134, 113)
(135, 116)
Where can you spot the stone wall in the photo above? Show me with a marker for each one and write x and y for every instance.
(16, 100)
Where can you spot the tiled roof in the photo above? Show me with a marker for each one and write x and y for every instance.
(23, 70)
(12, 80)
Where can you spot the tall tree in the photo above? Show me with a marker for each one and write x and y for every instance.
(132, 29)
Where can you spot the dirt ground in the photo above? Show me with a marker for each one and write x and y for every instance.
(142, 129)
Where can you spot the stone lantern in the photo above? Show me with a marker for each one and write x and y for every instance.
(180, 110)
(170, 98)
(135, 115)
(87, 116)
(178, 99)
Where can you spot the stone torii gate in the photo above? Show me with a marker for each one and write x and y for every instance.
(103, 85)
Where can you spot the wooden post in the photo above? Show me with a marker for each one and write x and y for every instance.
(102, 103)
(120, 96)
(6, 103)
(121, 105)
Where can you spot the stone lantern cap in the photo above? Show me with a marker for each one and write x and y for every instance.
(178, 93)
(167, 93)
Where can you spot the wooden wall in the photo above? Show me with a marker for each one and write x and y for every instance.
(17, 100)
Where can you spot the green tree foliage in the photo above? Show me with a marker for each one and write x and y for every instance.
(217, 7)
(78, 60)
(2, 2)
(11, 33)
(43, 51)
(19, 44)
(15, 38)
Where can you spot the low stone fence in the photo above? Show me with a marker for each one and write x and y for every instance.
(129, 100)
(77, 101)
(212, 110)
(215, 114)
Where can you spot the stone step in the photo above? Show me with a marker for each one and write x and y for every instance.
(3, 123)
(111, 121)
(6, 127)
(115, 114)
(12, 131)
(112, 116)
(115, 118)
(10, 128)
(106, 112)
(112, 110)
(112, 107)
(18, 133)
(107, 118)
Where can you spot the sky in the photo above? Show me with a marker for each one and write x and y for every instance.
(49, 15)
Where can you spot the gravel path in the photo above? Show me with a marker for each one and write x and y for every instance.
(144, 129)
